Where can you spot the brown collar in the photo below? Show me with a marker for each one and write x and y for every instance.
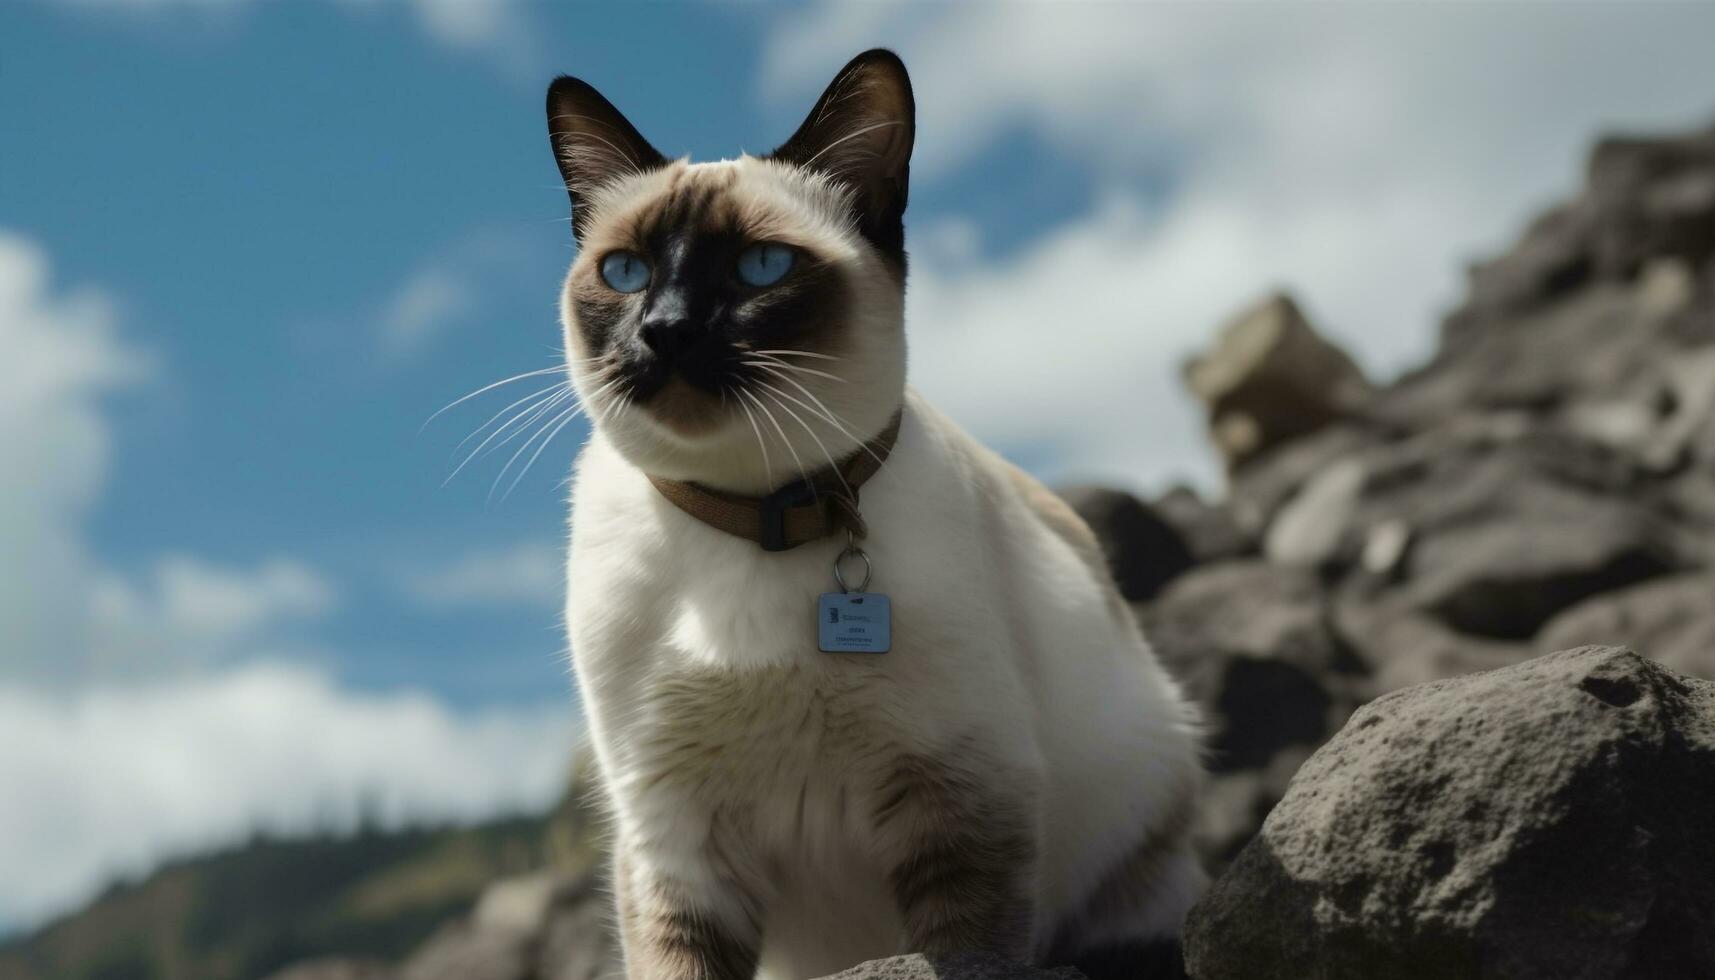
(802, 511)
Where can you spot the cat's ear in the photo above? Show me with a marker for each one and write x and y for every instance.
(593, 143)
(860, 133)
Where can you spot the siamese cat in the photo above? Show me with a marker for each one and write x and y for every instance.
(1009, 768)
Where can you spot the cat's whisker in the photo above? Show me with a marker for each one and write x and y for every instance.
(490, 387)
(767, 467)
(800, 353)
(822, 410)
(523, 417)
(565, 420)
(526, 448)
(819, 445)
(600, 390)
(802, 474)
(799, 368)
(534, 412)
(479, 429)
(610, 409)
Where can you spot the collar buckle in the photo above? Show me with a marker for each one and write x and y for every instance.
(771, 513)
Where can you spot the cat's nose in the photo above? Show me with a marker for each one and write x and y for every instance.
(668, 328)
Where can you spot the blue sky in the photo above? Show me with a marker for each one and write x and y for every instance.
(247, 248)
(260, 189)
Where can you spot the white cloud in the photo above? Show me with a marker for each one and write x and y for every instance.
(188, 614)
(110, 780)
(528, 573)
(69, 617)
(445, 290)
(144, 715)
(470, 23)
(424, 306)
(59, 357)
(494, 26)
(1358, 155)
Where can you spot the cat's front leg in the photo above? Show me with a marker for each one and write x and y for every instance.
(960, 840)
(688, 923)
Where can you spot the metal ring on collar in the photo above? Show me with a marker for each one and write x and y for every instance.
(840, 577)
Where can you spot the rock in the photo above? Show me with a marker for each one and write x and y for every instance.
(1645, 200)
(1551, 259)
(1271, 377)
(1403, 648)
(577, 941)
(1547, 820)
(334, 969)
(539, 926)
(1519, 363)
(462, 951)
(1144, 551)
(1385, 548)
(1234, 805)
(1310, 530)
(962, 966)
(1253, 644)
(518, 905)
(1689, 397)
(1505, 577)
(1620, 423)
(1209, 531)
(1504, 531)
(1258, 491)
(1653, 198)
(1672, 619)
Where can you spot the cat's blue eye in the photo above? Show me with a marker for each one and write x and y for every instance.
(626, 272)
(765, 264)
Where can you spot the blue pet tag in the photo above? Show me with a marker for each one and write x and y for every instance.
(852, 620)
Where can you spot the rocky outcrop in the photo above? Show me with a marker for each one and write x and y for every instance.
(1547, 820)
(1547, 480)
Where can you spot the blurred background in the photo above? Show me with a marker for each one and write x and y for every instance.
(247, 249)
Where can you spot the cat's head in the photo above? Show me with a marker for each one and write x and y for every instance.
(738, 322)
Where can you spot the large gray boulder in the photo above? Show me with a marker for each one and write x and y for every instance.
(1546, 820)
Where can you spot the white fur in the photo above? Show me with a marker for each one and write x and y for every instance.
(1007, 645)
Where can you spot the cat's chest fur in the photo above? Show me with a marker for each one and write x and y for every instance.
(722, 729)
(698, 653)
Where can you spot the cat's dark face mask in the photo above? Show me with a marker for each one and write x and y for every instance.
(696, 294)
(760, 297)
